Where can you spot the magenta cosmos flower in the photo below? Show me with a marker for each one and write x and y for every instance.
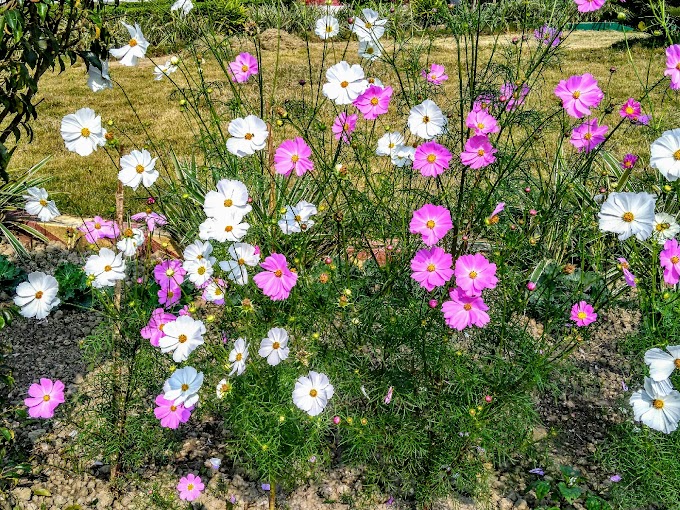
(670, 261)
(436, 75)
(583, 314)
(631, 109)
(432, 222)
(431, 159)
(579, 94)
(474, 273)
(463, 311)
(152, 219)
(588, 135)
(431, 267)
(547, 35)
(343, 126)
(629, 161)
(673, 65)
(44, 398)
(169, 274)
(153, 331)
(478, 152)
(627, 275)
(277, 280)
(169, 296)
(589, 5)
(99, 228)
(190, 487)
(481, 122)
(170, 414)
(483, 102)
(243, 67)
(513, 96)
(293, 155)
(374, 101)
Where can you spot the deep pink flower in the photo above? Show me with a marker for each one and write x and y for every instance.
(169, 273)
(474, 273)
(344, 125)
(431, 159)
(374, 101)
(277, 280)
(588, 135)
(436, 75)
(583, 314)
(99, 228)
(631, 109)
(293, 155)
(482, 122)
(579, 94)
(152, 219)
(670, 261)
(531, 286)
(170, 414)
(44, 398)
(627, 275)
(629, 161)
(153, 331)
(513, 96)
(673, 65)
(168, 296)
(432, 267)
(190, 487)
(463, 311)
(432, 222)
(478, 152)
(243, 67)
(589, 5)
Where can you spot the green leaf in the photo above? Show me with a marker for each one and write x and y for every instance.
(570, 494)
(6, 433)
(542, 489)
(14, 22)
(42, 10)
(41, 492)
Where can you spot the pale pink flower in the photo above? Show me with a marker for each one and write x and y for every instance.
(243, 67)
(673, 65)
(99, 228)
(153, 331)
(481, 122)
(436, 75)
(670, 261)
(478, 152)
(152, 219)
(374, 101)
(44, 398)
(589, 5)
(588, 135)
(190, 487)
(171, 414)
(343, 126)
(579, 94)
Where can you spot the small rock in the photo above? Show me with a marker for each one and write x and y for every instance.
(539, 433)
(36, 434)
(520, 504)
(22, 493)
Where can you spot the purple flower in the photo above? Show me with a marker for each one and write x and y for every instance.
(629, 161)
(547, 35)
(152, 219)
(266, 487)
(615, 478)
(537, 471)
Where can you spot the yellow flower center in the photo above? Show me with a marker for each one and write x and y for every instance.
(228, 228)
(660, 227)
(139, 169)
(85, 132)
(107, 268)
(190, 486)
(426, 119)
(657, 403)
(170, 294)
(218, 291)
(582, 315)
(97, 226)
(480, 126)
(278, 273)
(173, 408)
(169, 272)
(329, 29)
(295, 158)
(241, 262)
(431, 158)
(201, 270)
(298, 218)
(43, 202)
(677, 363)
(677, 66)
(313, 393)
(128, 232)
(133, 43)
(224, 388)
(675, 259)
(430, 224)
(344, 84)
(185, 387)
(628, 217)
(276, 345)
(345, 127)
(374, 101)
(244, 68)
(676, 155)
(46, 398)
(390, 145)
(480, 153)
(39, 294)
(430, 267)
(182, 338)
(249, 136)
(369, 50)
(473, 274)
(576, 94)
(160, 327)
(588, 135)
(228, 202)
(239, 357)
(629, 110)
(467, 307)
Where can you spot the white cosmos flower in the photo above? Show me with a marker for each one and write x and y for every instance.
(198, 251)
(184, 5)
(106, 266)
(242, 255)
(181, 337)
(214, 292)
(238, 357)
(370, 50)
(327, 27)
(403, 155)
(227, 228)
(99, 79)
(231, 198)
(345, 83)
(199, 271)
(665, 154)
(388, 143)
(37, 204)
(312, 393)
(82, 131)
(137, 168)
(223, 387)
(371, 28)
(275, 346)
(375, 81)
(665, 227)
(247, 136)
(37, 296)
(134, 49)
(183, 385)
(162, 70)
(426, 120)
(628, 214)
(656, 410)
(662, 363)
(131, 239)
(297, 219)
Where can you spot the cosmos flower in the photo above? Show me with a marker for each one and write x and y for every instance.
(169, 274)
(185, 6)
(388, 143)
(628, 214)
(277, 280)
(431, 267)
(630, 109)
(661, 363)
(162, 70)
(345, 83)
(481, 122)
(99, 228)
(463, 311)
(478, 153)
(589, 5)
(370, 50)
(231, 198)
(343, 126)
(579, 94)
(182, 336)
(242, 255)
(665, 154)
(513, 95)
(130, 240)
(583, 314)
(99, 79)
(44, 398)
(474, 273)
(190, 487)
(37, 296)
(153, 331)
(183, 386)
(374, 101)
(327, 27)
(432, 159)
(137, 168)
(655, 409)
(629, 161)
(134, 49)
(293, 155)
(82, 131)
(37, 204)
(238, 357)
(312, 393)
(436, 74)
(670, 261)
(665, 227)
(243, 67)
(426, 120)
(548, 36)
(673, 65)
(371, 27)
(107, 267)
(275, 346)
(152, 219)
(170, 414)
(432, 222)
(297, 218)
(248, 135)
(627, 275)
(585, 137)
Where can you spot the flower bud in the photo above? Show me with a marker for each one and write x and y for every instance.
(433, 303)
(336, 420)
(174, 60)
(531, 286)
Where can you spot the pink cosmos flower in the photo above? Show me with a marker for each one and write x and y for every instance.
(432, 222)
(190, 487)
(293, 155)
(494, 215)
(627, 275)
(388, 397)
(153, 331)
(435, 75)
(169, 274)
(482, 122)
(243, 67)
(99, 228)
(483, 102)
(673, 65)
(432, 267)
(168, 296)
(547, 35)
(463, 311)
(152, 219)
(374, 101)
(583, 314)
(44, 398)
(431, 159)
(642, 119)
(513, 95)
(579, 94)
(629, 161)
(277, 280)
(170, 414)
(670, 261)
(588, 135)
(474, 273)
(589, 5)
(478, 152)
(344, 125)
(631, 109)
